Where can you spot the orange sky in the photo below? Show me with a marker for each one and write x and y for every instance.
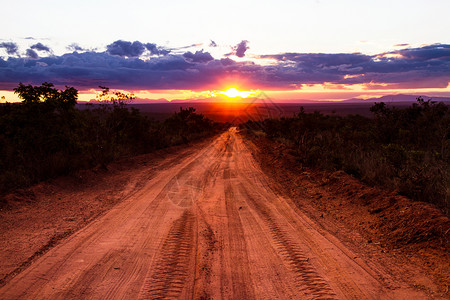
(319, 92)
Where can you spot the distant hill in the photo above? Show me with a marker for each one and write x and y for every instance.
(135, 101)
(387, 99)
(397, 98)
(402, 98)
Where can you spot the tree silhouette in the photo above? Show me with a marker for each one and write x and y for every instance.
(46, 93)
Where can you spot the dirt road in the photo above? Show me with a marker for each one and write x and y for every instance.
(207, 227)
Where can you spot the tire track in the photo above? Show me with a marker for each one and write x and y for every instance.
(241, 278)
(205, 227)
(308, 280)
(168, 276)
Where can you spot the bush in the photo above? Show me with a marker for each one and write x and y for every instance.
(45, 136)
(399, 149)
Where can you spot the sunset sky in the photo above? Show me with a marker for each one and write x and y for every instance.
(315, 49)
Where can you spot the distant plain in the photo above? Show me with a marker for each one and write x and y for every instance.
(237, 113)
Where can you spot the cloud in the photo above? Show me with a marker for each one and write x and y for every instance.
(188, 46)
(126, 49)
(11, 48)
(32, 54)
(321, 60)
(76, 47)
(198, 56)
(432, 52)
(227, 61)
(134, 49)
(429, 64)
(155, 50)
(423, 67)
(41, 47)
(239, 49)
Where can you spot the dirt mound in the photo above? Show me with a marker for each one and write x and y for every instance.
(21, 195)
(400, 220)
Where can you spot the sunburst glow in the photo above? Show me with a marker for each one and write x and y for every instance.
(234, 93)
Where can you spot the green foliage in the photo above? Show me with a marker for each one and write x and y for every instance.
(46, 136)
(403, 149)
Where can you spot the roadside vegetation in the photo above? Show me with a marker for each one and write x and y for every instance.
(45, 136)
(407, 150)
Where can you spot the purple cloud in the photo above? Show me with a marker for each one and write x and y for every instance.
(155, 50)
(198, 56)
(188, 46)
(75, 47)
(239, 49)
(121, 67)
(227, 61)
(430, 64)
(439, 52)
(134, 49)
(126, 49)
(32, 54)
(11, 48)
(41, 47)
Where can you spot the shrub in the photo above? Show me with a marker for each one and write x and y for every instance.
(399, 149)
(45, 136)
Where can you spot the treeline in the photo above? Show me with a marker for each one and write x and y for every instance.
(407, 150)
(45, 136)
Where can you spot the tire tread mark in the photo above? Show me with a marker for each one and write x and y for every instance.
(308, 280)
(168, 276)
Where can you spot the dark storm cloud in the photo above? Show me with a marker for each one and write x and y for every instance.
(41, 47)
(240, 49)
(32, 54)
(120, 67)
(11, 48)
(198, 56)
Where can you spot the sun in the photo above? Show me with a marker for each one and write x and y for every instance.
(235, 93)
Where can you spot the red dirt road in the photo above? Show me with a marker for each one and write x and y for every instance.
(209, 227)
